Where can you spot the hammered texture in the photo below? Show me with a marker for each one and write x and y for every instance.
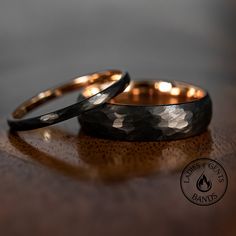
(162, 122)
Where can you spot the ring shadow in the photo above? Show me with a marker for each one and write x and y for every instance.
(113, 161)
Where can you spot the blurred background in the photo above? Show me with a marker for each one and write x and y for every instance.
(46, 42)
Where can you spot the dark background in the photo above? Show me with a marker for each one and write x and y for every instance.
(48, 41)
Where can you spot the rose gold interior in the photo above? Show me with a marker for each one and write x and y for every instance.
(100, 81)
(156, 93)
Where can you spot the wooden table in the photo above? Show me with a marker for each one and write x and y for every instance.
(58, 181)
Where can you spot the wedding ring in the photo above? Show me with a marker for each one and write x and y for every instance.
(103, 86)
(150, 110)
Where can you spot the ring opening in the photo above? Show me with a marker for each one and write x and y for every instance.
(94, 83)
(155, 92)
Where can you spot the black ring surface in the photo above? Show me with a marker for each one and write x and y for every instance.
(147, 123)
(72, 110)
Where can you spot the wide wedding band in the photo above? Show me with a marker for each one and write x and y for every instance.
(105, 85)
(150, 110)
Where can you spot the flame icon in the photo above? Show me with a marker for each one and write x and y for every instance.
(203, 184)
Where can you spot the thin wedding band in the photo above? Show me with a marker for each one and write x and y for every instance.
(150, 110)
(106, 84)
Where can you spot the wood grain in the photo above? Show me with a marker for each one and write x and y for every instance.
(57, 181)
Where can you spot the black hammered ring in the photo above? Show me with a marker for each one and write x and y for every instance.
(150, 110)
(105, 85)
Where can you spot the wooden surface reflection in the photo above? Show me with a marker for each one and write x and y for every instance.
(60, 175)
(108, 160)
